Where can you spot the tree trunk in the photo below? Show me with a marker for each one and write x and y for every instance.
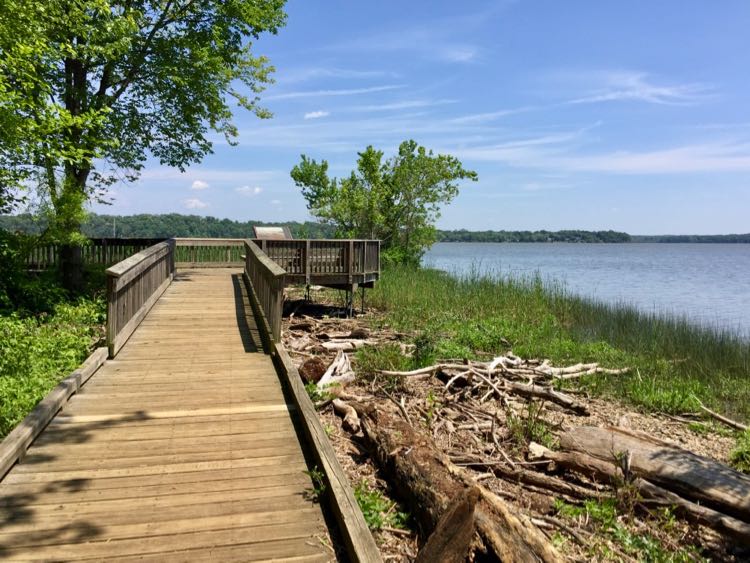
(71, 267)
(427, 480)
(696, 478)
(605, 471)
(69, 214)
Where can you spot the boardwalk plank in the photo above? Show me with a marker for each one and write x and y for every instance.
(181, 448)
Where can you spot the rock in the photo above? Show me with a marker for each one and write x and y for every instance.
(312, 370)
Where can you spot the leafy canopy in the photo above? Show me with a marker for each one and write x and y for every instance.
(396, 200)
(89, 88)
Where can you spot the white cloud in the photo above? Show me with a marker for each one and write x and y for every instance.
(341, 92)
(637, 86)
(492, 115)
(199, 185)
(407, 104)
(317, 114)
(275, 202)
(312, 73)
(194, 203)
(248, 191)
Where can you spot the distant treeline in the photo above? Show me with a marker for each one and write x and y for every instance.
(168, 225)
(693, 238)
(532, 236)
(177, 225)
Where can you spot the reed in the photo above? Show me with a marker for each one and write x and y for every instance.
(479, 314)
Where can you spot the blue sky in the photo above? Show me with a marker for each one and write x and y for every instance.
(631, 116)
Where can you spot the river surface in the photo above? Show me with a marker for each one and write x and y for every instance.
(708, 283)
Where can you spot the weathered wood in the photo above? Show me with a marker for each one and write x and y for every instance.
(360, 543)
(15, 444)
(267, 284)
(696, 478)
(452, 537)
(183, 441)
(611, 473)
(121, 336)
(548, 394)
(427, 480)
(133, 286)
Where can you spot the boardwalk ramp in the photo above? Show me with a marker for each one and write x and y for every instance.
(181, 447)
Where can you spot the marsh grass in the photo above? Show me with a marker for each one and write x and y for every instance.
(477, 315)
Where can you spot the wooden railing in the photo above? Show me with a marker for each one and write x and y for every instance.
(266, 279)
(311, 257)
(209, 252)
(102, 251)
(133, 286)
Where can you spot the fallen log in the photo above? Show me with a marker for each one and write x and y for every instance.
(611, 473)
(696, 478)
(427, 480)
(451, 540)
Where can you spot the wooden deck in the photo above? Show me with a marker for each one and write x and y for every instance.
(181, 448)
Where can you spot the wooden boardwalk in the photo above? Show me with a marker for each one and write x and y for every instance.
(181, 448)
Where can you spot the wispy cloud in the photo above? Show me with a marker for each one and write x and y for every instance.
(638, 86)
(194, 203)
(339, 92)
(212, 176)
(709, 158)
(313, 73)
(317, 114)
(199, 185)
(275, 202)
(406, 104)
(492, 115)
(248, 191)
(448, 39)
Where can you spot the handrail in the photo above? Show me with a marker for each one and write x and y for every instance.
(266, 279)
(133, 286)
(307, 258)
(198, 252)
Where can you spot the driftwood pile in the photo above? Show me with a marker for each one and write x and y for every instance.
(450, 439)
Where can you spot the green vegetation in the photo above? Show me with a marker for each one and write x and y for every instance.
(745, 238)
(90, 90)
(479, 316)
(318, 483)
(740, 455)
(45, 333)
(605, 517)
(396, 201)
(463, 235)
(36, 353)
(162, 226)
(530, 428)
(378, 510)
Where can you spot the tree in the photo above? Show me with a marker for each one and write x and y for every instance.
(88, 89)
(397, 200)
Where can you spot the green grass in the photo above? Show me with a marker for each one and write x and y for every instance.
(604, 516)
(37, 352)
(478, 316)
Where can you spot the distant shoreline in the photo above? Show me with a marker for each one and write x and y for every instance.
(176, 224)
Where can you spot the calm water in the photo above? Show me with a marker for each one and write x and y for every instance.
(710, 283)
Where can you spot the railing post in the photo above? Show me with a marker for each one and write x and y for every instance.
(307, 262)
(111, 314)
(351, 260)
